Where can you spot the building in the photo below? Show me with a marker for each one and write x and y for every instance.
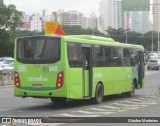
(110, 14)
(26, 25)
(156, 15)
(90, 22)
(36, 22)
(73, 18)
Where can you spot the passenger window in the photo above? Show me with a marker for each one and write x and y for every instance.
(99, 56)
(117, 56)
(126, 57)
(109, 55)
(74, 54)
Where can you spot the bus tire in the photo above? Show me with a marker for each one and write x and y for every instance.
(99, 93)
(58, 100)
(132, 92)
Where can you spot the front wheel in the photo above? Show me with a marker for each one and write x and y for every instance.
(99, 94)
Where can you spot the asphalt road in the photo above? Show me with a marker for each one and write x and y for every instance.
(146, 103)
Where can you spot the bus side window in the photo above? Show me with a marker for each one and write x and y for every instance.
(126, 57)
(133, 57)
(117, 56)
(99, 56)
(109, 55)
(74, 54)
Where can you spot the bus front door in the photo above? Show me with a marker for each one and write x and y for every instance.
(87, 72)
(140, 68)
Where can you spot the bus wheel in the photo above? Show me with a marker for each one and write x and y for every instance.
(99, 94)
(58, 100)
(132, 92)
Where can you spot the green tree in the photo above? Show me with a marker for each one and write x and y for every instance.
(78, 30)
(10, 21)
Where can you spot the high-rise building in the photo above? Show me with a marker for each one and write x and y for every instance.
(70, 18)
(145, 22)
(36, 22)
(156, 15)
(111, 14)
(90, 22)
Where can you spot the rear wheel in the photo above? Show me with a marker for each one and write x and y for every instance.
(58, 100)
(99, 94)
(132, 92)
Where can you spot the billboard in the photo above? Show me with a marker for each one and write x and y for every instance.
(53, 28)
(135, 5)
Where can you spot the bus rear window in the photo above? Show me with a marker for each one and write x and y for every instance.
(38, 50)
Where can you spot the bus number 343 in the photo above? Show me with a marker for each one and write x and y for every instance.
(53, 68)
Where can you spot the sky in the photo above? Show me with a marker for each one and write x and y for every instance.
(36, 6)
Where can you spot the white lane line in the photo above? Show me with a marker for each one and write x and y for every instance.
(85, 112)
(146, 103)
(3, 110)
(139, 100)
(98, 113)
(97, 109)
(72, 115)
(155, 97)
(108, 106)
(128, 105)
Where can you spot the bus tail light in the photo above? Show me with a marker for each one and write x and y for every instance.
(60, 78)
(17, 80)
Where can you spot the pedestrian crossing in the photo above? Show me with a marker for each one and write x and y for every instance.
(120, 106)
(110, 108)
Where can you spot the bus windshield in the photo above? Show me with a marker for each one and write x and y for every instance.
(38, 50)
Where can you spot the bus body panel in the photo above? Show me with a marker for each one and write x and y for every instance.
(115, 80)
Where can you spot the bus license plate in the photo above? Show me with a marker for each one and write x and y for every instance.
(37, 85)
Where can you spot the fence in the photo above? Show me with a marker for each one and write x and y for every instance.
(6, 79)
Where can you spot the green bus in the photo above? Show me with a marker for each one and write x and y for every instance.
(76, 67)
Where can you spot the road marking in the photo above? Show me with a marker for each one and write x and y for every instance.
(97, 109)
(146, 103)
(155, 97)
(128, 105)
(138, 100)
(107, 109)
(98, 113)
(108, 106)
(73, 115)
(85, 112)
(3, 109)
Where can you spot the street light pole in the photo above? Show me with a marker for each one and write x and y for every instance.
(158, 41)
(152, 37)
(127, 27)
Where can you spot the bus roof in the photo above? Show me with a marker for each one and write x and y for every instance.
(90, 39)
(98, 40)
